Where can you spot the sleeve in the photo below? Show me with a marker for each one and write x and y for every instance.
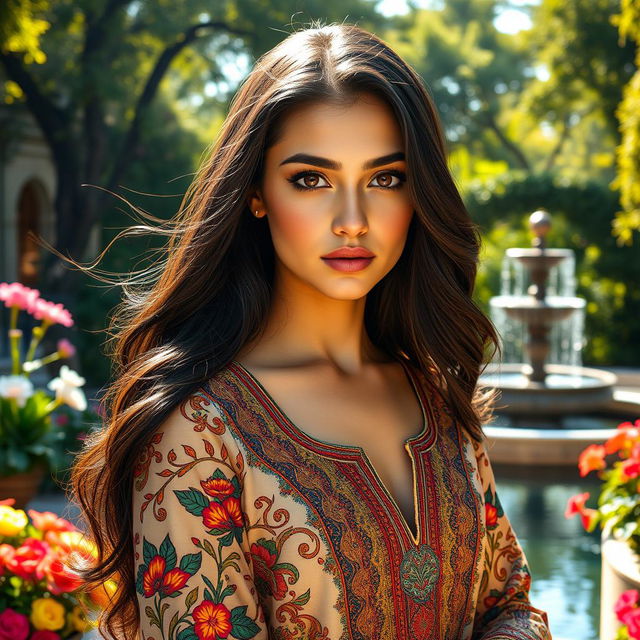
(194, 577)
(503, 610)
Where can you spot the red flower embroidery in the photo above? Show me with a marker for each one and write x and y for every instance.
(491, 514)
(155, 580)
(270, 577)
(211, 621)
(223, 516)
(217, 487)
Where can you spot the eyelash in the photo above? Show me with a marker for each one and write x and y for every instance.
(293, 179)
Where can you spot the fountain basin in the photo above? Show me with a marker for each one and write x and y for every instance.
(537, 312)
(566, 389)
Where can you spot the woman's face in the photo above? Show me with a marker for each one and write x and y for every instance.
(336, 178)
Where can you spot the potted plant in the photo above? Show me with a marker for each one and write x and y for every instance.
(27, 436)
(41, 597)
(618, 515)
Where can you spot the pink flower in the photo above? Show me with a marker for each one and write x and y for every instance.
(44, 634)
(65, 348)
(575, 504)
(13, 625)
(625, 603)
(51, 313)
(17, 295)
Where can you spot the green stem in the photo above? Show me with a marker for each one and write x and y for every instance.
(15, 336)
(36, 337)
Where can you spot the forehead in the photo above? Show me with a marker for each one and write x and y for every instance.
(365, 124)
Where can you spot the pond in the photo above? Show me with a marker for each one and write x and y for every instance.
(564, 559)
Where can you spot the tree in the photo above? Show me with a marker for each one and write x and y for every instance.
(88, 72)
(628, 152)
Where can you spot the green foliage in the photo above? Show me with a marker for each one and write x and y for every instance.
(628, 152)
(607, 274)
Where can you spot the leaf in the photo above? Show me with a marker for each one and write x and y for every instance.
(149, 551)
(188, 633)
(243, 626)
(168, 552)
(192, 500)
(192, 596)
(191, 562)
(190, 451)
(172, 624)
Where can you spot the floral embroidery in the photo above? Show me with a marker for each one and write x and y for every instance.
(419, 572)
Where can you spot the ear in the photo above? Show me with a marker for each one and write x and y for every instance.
(255, 202)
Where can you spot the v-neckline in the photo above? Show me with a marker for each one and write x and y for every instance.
(311, 442)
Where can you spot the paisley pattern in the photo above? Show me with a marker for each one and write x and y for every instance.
(247, 527)
(419, 571)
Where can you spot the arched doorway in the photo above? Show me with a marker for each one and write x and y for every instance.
(29, 219)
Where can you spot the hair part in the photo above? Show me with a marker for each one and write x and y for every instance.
(209, 294)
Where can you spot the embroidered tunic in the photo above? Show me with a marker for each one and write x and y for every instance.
(244, 527)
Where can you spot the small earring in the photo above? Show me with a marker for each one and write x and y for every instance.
(256, 214)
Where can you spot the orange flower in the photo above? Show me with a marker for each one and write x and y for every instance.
(592, 459)
(491, 515)
(49, 521)
(617, 442)
(212, 621)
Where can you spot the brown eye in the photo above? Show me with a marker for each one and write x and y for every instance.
(385, 179)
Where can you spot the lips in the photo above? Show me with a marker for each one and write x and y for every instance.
(349, 252)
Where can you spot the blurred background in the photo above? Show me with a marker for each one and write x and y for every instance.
(540, 101)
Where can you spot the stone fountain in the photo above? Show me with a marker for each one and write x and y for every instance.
(547, 412)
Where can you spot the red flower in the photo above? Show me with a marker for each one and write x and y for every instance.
(30, 559)
(211, 621)
(592, 459)
(630, 468)
(223, 516)
(217, 487)
(625, 603)
(271, 578)
(60, 578)
(632, 621)
(491, 514)
(155, 580)
(13, 625)
(44, 634)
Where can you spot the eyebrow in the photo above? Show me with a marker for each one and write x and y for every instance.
(332, 164)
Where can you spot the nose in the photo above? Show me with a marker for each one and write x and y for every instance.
(351, 221)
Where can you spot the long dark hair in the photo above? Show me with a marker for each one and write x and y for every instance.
(208, 295)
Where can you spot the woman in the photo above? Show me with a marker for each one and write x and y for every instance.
(294, 445)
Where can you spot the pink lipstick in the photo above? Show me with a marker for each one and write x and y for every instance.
(349, 258)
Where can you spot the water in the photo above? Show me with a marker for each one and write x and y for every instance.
(566, 336)
(563, 558)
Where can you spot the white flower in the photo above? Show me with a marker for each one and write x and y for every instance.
(18, 387)
(67, 387)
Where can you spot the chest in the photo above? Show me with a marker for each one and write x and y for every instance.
(379, 419)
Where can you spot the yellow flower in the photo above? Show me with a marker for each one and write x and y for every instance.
(12, 521)
(47, 613)
(79, 620)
